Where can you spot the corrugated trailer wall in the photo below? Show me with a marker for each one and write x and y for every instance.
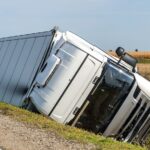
(20, 57)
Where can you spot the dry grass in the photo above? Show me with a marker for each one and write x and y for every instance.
(141, 54)
(144, 70)
(144, 54)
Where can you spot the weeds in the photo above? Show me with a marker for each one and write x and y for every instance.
(66, 132)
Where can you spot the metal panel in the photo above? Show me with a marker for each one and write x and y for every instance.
(71, 60)
(20, 57)
(76, 89)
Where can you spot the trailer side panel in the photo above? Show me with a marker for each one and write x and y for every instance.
(20, 58)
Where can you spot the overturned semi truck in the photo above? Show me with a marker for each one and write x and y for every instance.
(73, 82)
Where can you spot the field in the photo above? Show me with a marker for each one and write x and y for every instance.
(141, 54)
(143, 65)
(144, 69)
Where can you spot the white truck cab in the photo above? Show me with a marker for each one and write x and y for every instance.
(79, 84)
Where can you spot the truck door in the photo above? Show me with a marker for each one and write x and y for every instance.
(78, 90)
(46, 97)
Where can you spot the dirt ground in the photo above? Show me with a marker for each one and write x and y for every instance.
(18, 136)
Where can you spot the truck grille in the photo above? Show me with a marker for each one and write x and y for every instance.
(140, 132)
(136, 124)
(143, 133)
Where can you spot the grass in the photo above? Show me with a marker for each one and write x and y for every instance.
(144, 70)
(66, 132)
(143, 60)
(138, 55)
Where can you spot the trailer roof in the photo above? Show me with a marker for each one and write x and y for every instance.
(24, 36)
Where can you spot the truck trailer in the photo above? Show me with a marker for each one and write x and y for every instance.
(74, 82)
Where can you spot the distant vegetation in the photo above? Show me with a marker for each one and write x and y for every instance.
(138, 54)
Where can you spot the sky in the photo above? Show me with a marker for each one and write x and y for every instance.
(104, 23)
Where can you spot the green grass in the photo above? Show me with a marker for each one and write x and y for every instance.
(66, 132)
(143, 60)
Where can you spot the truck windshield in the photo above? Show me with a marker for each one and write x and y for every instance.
(109, 94)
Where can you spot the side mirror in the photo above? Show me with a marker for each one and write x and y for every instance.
(126, 57)
(130, 60)
(120, 51)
